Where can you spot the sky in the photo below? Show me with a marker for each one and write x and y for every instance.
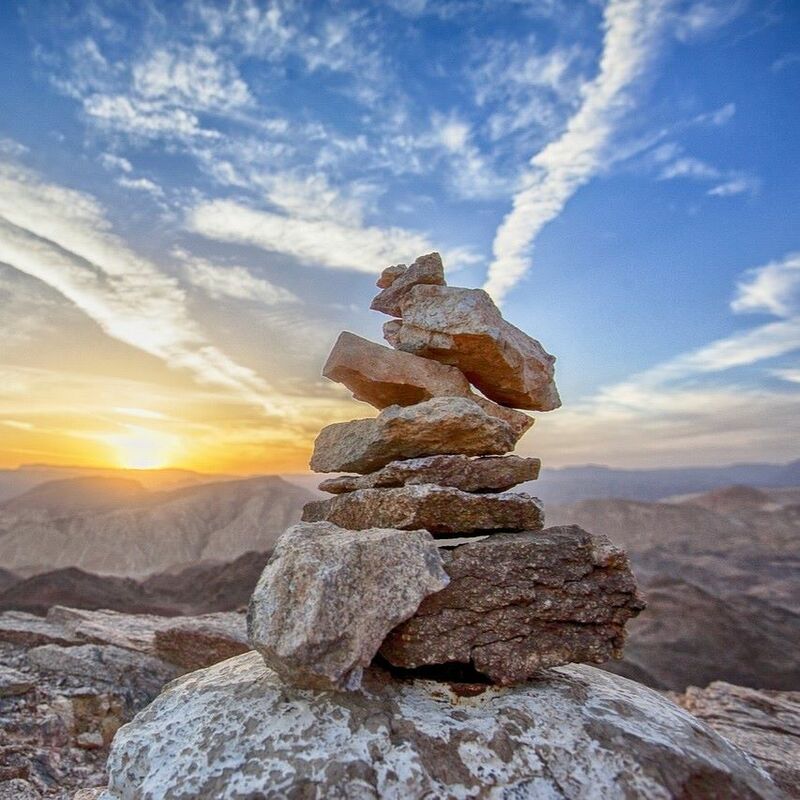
(196, 197)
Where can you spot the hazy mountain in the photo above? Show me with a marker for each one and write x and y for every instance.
(14, 482)
(226, 586)
(139, 532)
(570, 484)
(720, 571)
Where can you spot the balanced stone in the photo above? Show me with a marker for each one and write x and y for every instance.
(438, 509)
(482, 474)
(383, 377)
(328, 597)
(443, 425)
(517, 602)
(399, 282)
(464, 328)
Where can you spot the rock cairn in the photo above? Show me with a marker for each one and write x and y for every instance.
(424, 558)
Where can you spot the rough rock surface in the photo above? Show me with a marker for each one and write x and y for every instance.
(438, 509)
(383, 377)
(443, 425)
(328, 597)
(517, 602)
(482, 474)
(464, 328)
(399, 282)
(197, 642)
(28, 630)
(764, 724)
(237, 730)
(13, 682)
(139, 673)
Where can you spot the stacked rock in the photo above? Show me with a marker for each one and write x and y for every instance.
(424, 557)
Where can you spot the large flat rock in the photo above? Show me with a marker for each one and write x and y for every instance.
(765, 724)
(383, 377)
(236, 730)
(443, 425)
(464, 328)
(439, 509)
(196, 642)
(518, 602)
(482, 474)
(328, 597)
(397, 281)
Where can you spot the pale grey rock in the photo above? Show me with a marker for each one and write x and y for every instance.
(18, 789)
(464, 328)
(140, 674)
(765, 724)
(425, 270)
(13, 682)
(441, 510)
(236, 730)
(443, 425)
(482, 474)
(328, 597)
(383, 377)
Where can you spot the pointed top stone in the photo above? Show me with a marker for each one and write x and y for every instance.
(398, 280)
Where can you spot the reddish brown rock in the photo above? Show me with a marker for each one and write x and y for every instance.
(443, 425)
(398, 282)
(464, 328)
(383, 377)
(482, 474)
(517, 602)
(438, 509)
(390, 275)
(197, 642)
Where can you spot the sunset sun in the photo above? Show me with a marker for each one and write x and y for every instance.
(144, 449)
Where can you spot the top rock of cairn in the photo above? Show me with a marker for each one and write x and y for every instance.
(425, 558)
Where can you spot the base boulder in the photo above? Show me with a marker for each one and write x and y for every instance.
(235, 730)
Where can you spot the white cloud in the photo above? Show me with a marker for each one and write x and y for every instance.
(141, 185)
(62, 238)
(773, 288)
(632, 32)
(786, 60)
(194, 78)
(323, 242)
(734, 186)
(220, 281)
(112, 162)
(680, 406)
(688, 167)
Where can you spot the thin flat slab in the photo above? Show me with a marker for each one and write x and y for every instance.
(328, 597)
(464, 328)
(383, 377)
(397, 281)
(481, 474)
(438, 509)
(443, 425)
(518, 602)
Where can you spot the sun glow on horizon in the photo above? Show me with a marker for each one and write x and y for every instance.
(144, 449)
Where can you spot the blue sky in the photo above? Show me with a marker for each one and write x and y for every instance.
(195, 197)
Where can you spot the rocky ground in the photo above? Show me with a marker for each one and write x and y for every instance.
(68, 681)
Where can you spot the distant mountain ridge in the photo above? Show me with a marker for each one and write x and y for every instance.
(113, 526)
(571, 484)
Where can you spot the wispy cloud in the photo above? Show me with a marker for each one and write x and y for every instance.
(632, 32)
(62, 238)
(681, 406)
(322, 242)
(219, 281)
